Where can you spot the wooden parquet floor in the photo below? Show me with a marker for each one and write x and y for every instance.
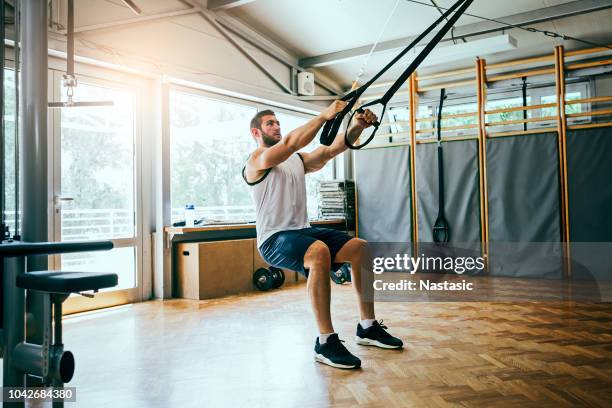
(256, 351)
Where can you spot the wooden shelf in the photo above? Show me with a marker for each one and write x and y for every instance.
(228, 227)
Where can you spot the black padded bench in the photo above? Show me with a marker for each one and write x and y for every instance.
(48, 361)
(66, 282)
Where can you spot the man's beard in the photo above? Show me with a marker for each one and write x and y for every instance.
(269, 140)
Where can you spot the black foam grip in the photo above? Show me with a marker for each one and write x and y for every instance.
(331, 128)
(336, 126)
(325, 138)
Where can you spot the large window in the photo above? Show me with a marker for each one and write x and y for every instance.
(399, 118)
(94, 180)
(210, 143)
(97, 167)
(97, 182)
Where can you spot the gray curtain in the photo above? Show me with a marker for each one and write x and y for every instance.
(589, 161)
(382, 177)
(589, 164)
(524, 208)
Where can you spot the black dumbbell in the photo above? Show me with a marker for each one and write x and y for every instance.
(278, 277)
(263, 280)
(343, 274)
(266, 279)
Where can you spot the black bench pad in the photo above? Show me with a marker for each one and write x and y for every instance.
(66, 282)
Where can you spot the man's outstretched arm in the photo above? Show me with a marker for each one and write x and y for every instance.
(295, 140)
(317, 159)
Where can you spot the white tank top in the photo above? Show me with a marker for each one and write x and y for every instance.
(280, 198)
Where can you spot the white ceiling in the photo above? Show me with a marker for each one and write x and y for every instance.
(322, 26)
(315, 27)
(594, 26)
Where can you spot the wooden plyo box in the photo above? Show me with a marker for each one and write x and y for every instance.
(207, 270)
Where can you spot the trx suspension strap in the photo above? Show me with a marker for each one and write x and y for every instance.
(441, 230)
(332, 126)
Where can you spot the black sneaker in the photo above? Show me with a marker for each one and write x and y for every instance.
(376, 335)
(334, 353)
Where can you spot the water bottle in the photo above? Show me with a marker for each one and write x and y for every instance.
(189, 215)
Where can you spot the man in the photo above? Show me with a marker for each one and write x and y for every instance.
(276, 173)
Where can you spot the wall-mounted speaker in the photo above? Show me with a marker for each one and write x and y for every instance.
(306, 83)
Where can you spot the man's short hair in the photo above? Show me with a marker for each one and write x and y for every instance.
(256, 121)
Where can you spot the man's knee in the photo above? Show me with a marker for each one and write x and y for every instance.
(317, 255)
(362, 244)
(357, 247)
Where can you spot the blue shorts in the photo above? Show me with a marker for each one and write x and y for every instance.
(286, 249)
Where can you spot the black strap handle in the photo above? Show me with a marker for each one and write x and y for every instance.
(440, 166)
(441, 229)
(332, 126)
